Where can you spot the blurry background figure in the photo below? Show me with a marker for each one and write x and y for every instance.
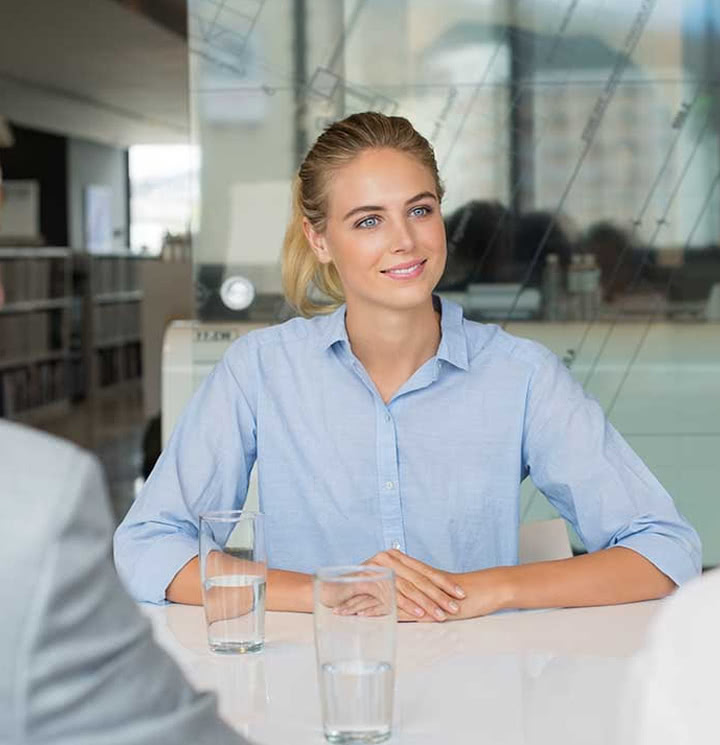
(613, 251)
(478, 245)
(538, 234)
(672, 694)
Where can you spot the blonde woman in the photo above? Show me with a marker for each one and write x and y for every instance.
(388, 429)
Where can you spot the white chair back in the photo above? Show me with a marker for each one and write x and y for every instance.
(544, 540)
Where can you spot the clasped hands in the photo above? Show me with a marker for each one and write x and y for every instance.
(424, 594)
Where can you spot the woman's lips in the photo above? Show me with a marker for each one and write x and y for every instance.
(408, 272)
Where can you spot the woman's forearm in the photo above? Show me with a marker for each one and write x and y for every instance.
(607, 577)
(288, 591)
(185, 585)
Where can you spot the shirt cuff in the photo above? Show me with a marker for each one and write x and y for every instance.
(677, 562)
(156, 565)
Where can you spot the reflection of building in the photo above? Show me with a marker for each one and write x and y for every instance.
(469, 68)
(591, 174)
(620, 160)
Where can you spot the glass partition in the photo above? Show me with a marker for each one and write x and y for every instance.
(580, 145)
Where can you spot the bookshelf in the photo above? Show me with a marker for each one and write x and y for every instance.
(35, 332)
(109, 343)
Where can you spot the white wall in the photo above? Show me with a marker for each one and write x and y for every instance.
(93, 163)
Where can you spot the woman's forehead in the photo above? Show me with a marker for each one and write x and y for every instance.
(379, 178)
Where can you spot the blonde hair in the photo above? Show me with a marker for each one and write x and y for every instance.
(339, 144)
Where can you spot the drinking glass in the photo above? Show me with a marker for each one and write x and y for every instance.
(233, 570)
(355, 620)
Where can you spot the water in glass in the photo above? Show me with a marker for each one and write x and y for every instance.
(235, 608)
(357, 697)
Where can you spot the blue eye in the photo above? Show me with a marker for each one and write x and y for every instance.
(420, 211)
(368, 222)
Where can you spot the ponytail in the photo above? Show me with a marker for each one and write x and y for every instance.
(302, 272)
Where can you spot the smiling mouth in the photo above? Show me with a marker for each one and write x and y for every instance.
(409, 271)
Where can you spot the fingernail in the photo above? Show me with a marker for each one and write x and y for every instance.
(418, 611)
(439, 615)
(454, 607)
(459, 591)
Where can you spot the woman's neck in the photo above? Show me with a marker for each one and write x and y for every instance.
(392, 345)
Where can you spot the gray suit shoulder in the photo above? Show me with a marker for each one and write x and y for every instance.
(31, 447)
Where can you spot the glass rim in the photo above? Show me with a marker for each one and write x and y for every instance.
(229, 516)
(349, 573)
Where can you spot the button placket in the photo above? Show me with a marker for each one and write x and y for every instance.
(388, 479)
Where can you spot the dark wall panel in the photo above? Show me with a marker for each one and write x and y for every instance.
(42, 157)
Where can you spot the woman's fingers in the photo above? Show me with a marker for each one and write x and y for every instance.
(424, 592)
(443, 580)
(408, 606)
(356, 604)
(405, 617)
(419, 598)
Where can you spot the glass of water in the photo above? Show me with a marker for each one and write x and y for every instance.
(233, 570)
(355, 621)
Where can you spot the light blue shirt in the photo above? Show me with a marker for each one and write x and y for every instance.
(435, 472)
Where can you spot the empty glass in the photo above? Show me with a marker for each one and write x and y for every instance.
(233, 570)
(355, 621)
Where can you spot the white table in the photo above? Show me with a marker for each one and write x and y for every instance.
(532, 678)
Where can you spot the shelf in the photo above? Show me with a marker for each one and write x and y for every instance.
(36, 327)
(34, 253)
(28, 306)
(117, 341)
(116, 254)
(32, 359)
(126, 296)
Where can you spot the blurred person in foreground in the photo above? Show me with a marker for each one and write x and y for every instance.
(671, 694)
(78, 662)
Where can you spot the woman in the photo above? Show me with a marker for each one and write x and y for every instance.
(388, 429)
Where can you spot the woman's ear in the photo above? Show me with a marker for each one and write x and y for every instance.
(317, 242)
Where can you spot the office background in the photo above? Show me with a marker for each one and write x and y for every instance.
(579, 141)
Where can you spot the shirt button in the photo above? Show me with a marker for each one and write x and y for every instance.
(389, 485)
(387, 417)
(396, 545)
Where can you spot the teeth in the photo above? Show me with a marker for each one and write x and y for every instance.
(404, 271)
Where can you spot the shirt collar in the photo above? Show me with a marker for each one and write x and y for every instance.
(335, 330)
(453, 344)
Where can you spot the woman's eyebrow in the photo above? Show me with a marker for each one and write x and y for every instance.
(421, 195)
(378, 208)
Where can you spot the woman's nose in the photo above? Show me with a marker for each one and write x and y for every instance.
(403, 239)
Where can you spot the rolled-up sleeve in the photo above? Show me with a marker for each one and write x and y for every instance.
(205, 466)
(594, 478)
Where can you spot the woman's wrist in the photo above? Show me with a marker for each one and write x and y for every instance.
(289, 591)
(488, 591)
